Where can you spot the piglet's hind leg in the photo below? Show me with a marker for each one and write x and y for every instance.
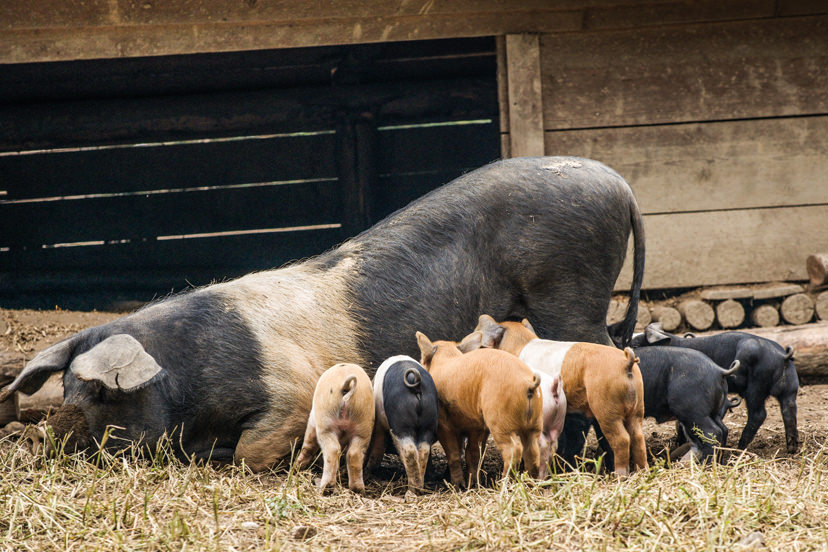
(355, 456)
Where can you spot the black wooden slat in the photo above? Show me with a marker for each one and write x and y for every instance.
(148, 216)
(433, 148)
(87, 123)
(220, 256)
(396, 191)
(167, 75)
(127, 169)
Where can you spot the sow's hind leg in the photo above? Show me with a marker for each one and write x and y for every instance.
(277, 432)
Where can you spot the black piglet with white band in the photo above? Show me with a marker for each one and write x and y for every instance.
(406, 409)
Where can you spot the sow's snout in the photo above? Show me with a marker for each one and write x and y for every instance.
(66, 429)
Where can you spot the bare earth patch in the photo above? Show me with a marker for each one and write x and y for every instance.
(123, 502)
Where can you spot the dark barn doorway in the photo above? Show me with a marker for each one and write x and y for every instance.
(125, 180)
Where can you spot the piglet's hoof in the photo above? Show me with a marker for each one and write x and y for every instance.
(410, 496)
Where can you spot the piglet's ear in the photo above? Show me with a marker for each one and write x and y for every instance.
(528, 326)
(655, 335)
(118, 362)
(491, 332)
(427, 349)
(471, 342)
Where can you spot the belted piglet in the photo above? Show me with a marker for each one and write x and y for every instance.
(554, 414)
(480, 392)
(406, 408)
(342, 415)
(600, 381)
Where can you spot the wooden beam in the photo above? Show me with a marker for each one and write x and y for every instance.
(171, 35)
(525, 95)
(503, 95)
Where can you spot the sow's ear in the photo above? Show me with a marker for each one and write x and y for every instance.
(491, 332)
(38, 370)
(118, 362)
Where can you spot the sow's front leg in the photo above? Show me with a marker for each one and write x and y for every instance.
(274, 436)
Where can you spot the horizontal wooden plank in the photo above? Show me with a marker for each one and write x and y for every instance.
(430, 148)
(640, 14)
(286, 68)
(710, 166)
(24, 45)
(163, 214)
(147, 167)
(217, 255)
(85, 123)
(740, 69)
(729, 247)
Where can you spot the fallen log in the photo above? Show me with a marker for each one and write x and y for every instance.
(810, 343)
(10, 365)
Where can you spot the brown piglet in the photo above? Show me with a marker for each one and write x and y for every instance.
(342, 416)
(599, 381)
(480, 392)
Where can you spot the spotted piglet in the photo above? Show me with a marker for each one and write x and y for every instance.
(342, 416)
(406, 408)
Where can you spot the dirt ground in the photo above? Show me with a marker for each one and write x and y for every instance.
(25, 332)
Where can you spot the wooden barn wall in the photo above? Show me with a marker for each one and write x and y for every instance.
(719, 127)
(51, 30)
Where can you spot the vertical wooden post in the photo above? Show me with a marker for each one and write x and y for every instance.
(525, 106)
(356, 168)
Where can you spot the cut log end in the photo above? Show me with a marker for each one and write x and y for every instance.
(817, 267)
(643, 317)
(821, 305)
(698, 314)
(730, 314)
(765, 316)
(797, 309)
(669, 318)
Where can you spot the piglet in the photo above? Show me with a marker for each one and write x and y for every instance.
(342, 416)
(600, 381)
(482, 391)
(554, 414)
(406, 408)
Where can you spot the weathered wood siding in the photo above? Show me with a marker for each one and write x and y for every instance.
(720, 128)
(50, 30)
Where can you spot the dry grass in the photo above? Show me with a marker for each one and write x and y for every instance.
(125, 503)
